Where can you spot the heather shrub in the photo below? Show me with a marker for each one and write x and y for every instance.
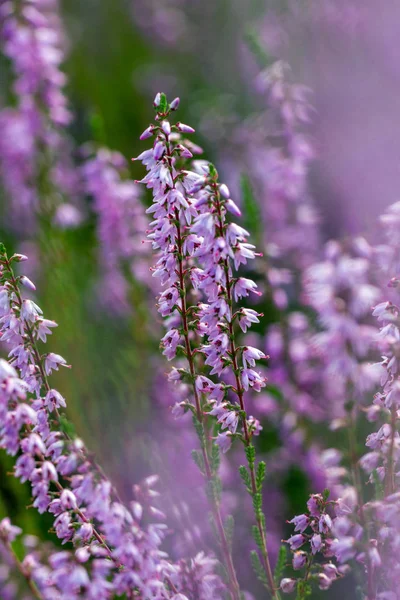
(218, 416)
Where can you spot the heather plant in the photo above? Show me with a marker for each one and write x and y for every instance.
(113, 553)
(326, 417)
(190, 209)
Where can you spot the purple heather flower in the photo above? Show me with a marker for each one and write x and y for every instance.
(324, 582)
(299, 560)
(224, 441)
(32, 41)
(242, 288)
(53, 361)
(250, 355)
(8, 532)
(170, 342)
(251, 378)
(228, 419)
(324, 523)
(316, 543)
(184, 128)
(54, 400)
(313, 505)
(296, 541)
(344, 549)
(247, 317)
(300, 522)
(288, 585)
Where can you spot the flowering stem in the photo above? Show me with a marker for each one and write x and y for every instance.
(354, 466)
(39, 364)
(23, 572)
(255, 491)
(233, 582)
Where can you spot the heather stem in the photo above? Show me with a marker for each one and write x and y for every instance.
(24, 574)
(251, 463)
(355, 471)
(260, 520)
(208, 471)
(233, 582)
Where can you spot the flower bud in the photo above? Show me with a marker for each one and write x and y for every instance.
(166, 127)
(27, 283)
(175, 104)
(147, 133)
(185, 128)
(224, 191)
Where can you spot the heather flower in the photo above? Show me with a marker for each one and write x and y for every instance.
(8, 532)
(288, 585)
(300, 522)
(296, 541)
(299, 560)
(224, 441)
(316, 543)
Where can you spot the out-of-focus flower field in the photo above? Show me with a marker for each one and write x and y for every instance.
(296, 105)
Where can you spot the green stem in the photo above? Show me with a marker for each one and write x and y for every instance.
(355, 471)
(233, 582)
(240, 395)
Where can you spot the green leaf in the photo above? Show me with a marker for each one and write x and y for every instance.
(303, 590)
(258, 568)
(260, 476)
(199, 430)
(213, 489)
(325, 494)
(257, 537)
(280, 564)
(256, 48)
(257, 502)
(244, 474)
(250, 454)
(213, 171)
(67, 427)
(215, 458)
(199, 460)
(213, 526)
(229, 529)
(2, 248)
(163, 103)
